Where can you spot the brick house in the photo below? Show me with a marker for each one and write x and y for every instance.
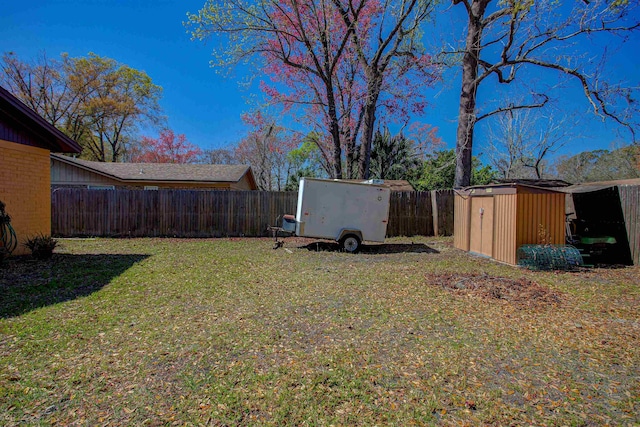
(26, 141)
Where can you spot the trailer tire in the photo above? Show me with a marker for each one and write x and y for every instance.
(350, 243)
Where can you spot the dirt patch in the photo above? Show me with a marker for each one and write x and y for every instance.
(384, 248)
(521, 292)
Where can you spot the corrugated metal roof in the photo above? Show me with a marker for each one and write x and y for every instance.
(546, 183)
(392, 184)
(506, 187)
(600, 185)
(162, 171)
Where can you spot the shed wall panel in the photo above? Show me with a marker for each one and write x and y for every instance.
(629, 201)
(462, 223)
(482, 225)
(540, 219)
(504, 246)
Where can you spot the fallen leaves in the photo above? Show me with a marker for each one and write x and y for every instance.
(520, 292)
(220, 332)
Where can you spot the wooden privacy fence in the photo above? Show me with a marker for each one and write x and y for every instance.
(193, 213)
(421, 213)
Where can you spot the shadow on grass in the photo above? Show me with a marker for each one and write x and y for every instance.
(384, 248)
(27, 284)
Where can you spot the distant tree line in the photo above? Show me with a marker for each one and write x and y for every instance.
(101, 104)
(347, 68)
(349, 71)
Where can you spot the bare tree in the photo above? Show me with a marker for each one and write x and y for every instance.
(266, 148)
(96, 101)
(520, 142)
(302, 43)
(508, 38)
(219, 156)
(43, 84)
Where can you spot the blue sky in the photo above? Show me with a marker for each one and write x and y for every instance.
(146, 35)
(200, 103)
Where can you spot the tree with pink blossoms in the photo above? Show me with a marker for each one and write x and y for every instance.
(266, 149)
(167, 148)
(341, 62)
(302, 42)
(386, 40)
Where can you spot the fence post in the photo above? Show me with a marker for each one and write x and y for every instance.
(434, 211)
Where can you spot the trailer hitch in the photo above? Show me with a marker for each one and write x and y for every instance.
(274, 229)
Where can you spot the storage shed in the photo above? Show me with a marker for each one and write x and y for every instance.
(608, 209)
(495, 220)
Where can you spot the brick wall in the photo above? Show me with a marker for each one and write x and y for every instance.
(25, 188)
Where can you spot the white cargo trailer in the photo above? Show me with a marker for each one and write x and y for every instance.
(346, 211)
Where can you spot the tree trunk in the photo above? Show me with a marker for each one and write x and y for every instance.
(467, 112)
(335, 134)
(369, 122)
(350, 151)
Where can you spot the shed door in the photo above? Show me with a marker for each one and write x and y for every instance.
(482, 225)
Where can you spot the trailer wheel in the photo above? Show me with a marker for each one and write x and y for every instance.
(350, 243)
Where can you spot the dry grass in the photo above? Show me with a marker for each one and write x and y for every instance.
(231, 332)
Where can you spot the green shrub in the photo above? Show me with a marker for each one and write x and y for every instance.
(41, 246)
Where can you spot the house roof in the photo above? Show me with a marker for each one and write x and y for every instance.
(162, 172)
(44, 133)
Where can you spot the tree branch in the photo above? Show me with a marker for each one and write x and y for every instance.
(515, 107)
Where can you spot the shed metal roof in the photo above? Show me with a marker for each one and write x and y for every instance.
(504, 188)
(600, 185)
(546, 183)
(392, 184)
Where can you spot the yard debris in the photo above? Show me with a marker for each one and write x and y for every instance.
(371, 249)
(521, 292)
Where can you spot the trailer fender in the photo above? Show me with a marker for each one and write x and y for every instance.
(346, 231)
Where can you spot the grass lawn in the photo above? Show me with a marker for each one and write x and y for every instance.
(231, 332)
